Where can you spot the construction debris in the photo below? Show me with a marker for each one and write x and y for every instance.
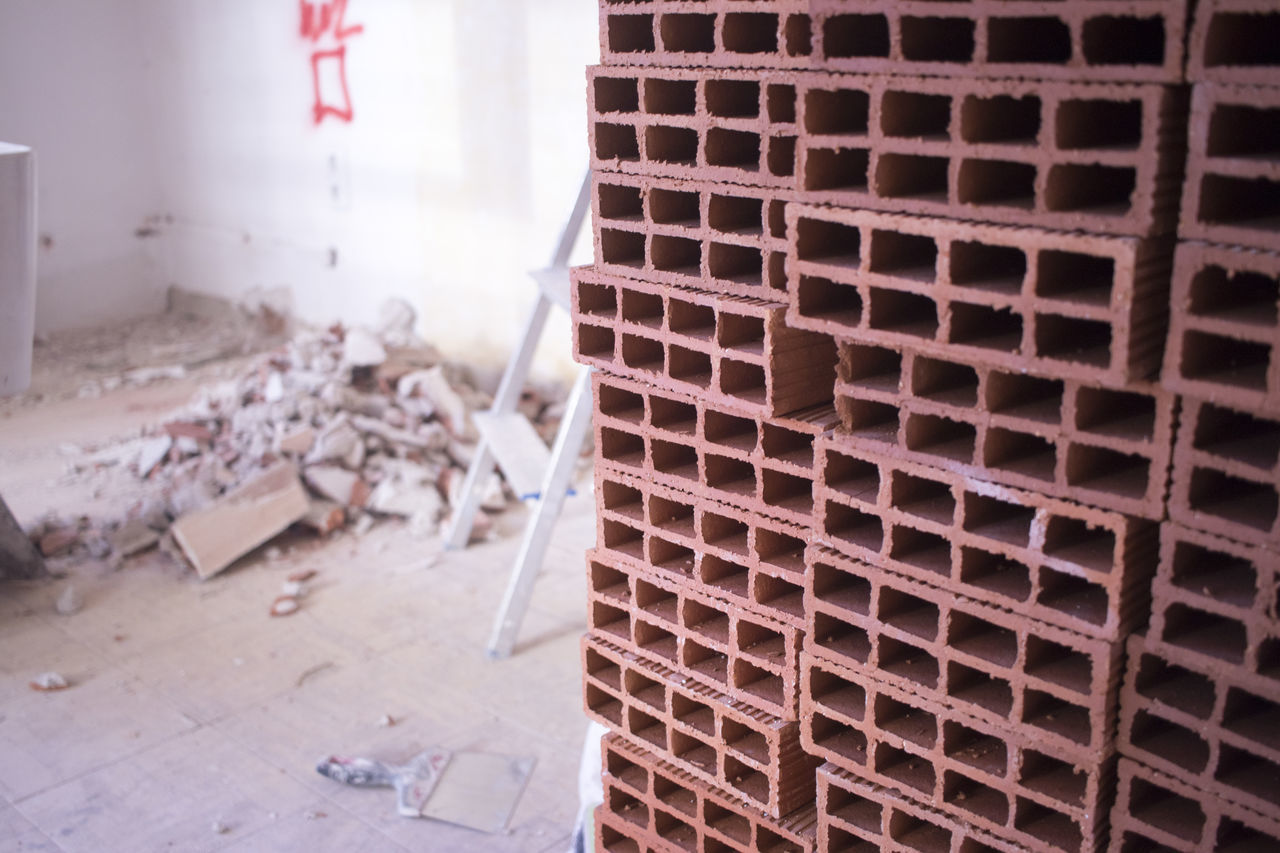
(48, 682)
(69, 601)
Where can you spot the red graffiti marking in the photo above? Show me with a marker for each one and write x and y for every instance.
(326, 20)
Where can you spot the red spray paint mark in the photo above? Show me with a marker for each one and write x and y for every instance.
(326, 21)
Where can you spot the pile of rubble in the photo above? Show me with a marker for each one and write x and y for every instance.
(339, 427)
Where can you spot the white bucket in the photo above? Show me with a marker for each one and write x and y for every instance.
(17, 265)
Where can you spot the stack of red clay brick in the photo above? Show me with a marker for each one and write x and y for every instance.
(889, 554)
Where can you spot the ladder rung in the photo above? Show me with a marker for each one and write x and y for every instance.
(554, 283)
(522, 455)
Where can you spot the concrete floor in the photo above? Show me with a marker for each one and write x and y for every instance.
(192, 711)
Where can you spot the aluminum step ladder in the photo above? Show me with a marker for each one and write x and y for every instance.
(510, 444)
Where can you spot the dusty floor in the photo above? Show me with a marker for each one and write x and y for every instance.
(192, 711)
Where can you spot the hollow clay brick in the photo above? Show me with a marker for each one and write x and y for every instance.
(1235, 41)
(1084, 569)
(710, 236)
(1099, 41)
(683, 442)
(992, 665)
(730, 350)
(1156, 811)
(1232, 192)
(1198, 720)
(857, 815)
(1104, 446)
(650, 800)
(732, 126)
(1226, 473)
(999, 779)
(1088, 157)
(714, 549)
(1076, 306)
(1224, 335)
(750, 658)
(751, 755)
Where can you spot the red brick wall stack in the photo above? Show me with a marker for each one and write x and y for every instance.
(937, 424)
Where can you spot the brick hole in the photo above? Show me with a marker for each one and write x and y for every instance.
(672, 415)
(975, 687)
(602, 669)
(845, 640)
(687, 748)
(673, 207)
(1059, 664)
(622, 538)
(905, 256)
(1243, 202)
(1000, 118)
(614, 841)
(674, 254)
(915, 115)
(986, 327)
(672, 516)
(1020, 453)
(844, 842)
(678, 460)
(779, 551)
(670, 97)
(693, 713)
(1236, 130)
(736, 215)
(760, 683)
(677, 145)
(1000, 269)
(620, 403)
(675, 831)
(742, 380)
(778, 594)
(855, 36)
(781, 156)
(619, 202)
(1094, 189)
(841, 589)
(908, 613)
(797, 35)
(688, 33)
(724, 532)
(646, 690)
(769, 841)
(1002, 576)
(730, 475)
(647, 727)
(942, 437)
(1123, 40)
(911, 176)
(1233, 835)
(1229, 434)
(936, 39)
(730, 431)
(986, 753)
(904, 768)
(786, 491)
(1049, 713)
(1234, 499)
(630, 33)
(916, 833)
(852, 808)
(710, 622)
(600, 702)
(787, 445)
(997, 182)
(1099, 123)
(978, 637)
(908, 662)
(1073, 596)
(1073, 339)
(1121, 414)
(1053, 778)
(906, 721)
(1029, 397)
(705, 661)
(733, 98)
(836, 169)
(609, 582)
(838, 112)
(622, 499)
(974, 797)
(1106, 470)
(1047, 825)
(726, 822)
(1075, 277)
(1243, 296)
(944, 382)
(724, 575)
(853, 527)
(626, 771)
(622, 448)
(733, 148)
(616, 142)
(1250, 773)
(741, 332)
(904, 313)
(691, 320)
(926, 551)
(690, 366)
(656, 641)
(671, 793)
(1252, 717)
(1039, 40)
(1206, 633)
(1269, 658)
(643, 309)
(777, 219)
(856, 478)
(1243, 39)
(748, 780)
(1218, 575)
(1162, 809)
(1225, 360)
(823, 298)
(831, 243)
(1075, 541)
(776, 271)
(669, 555)
(874, 368)
(780, 103)
(922, 497)
(838, 694)
(750, 32)
(597, 300)
(1175, 686)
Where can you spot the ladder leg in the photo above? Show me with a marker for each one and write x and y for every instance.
(537, 533)
(464, 514)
